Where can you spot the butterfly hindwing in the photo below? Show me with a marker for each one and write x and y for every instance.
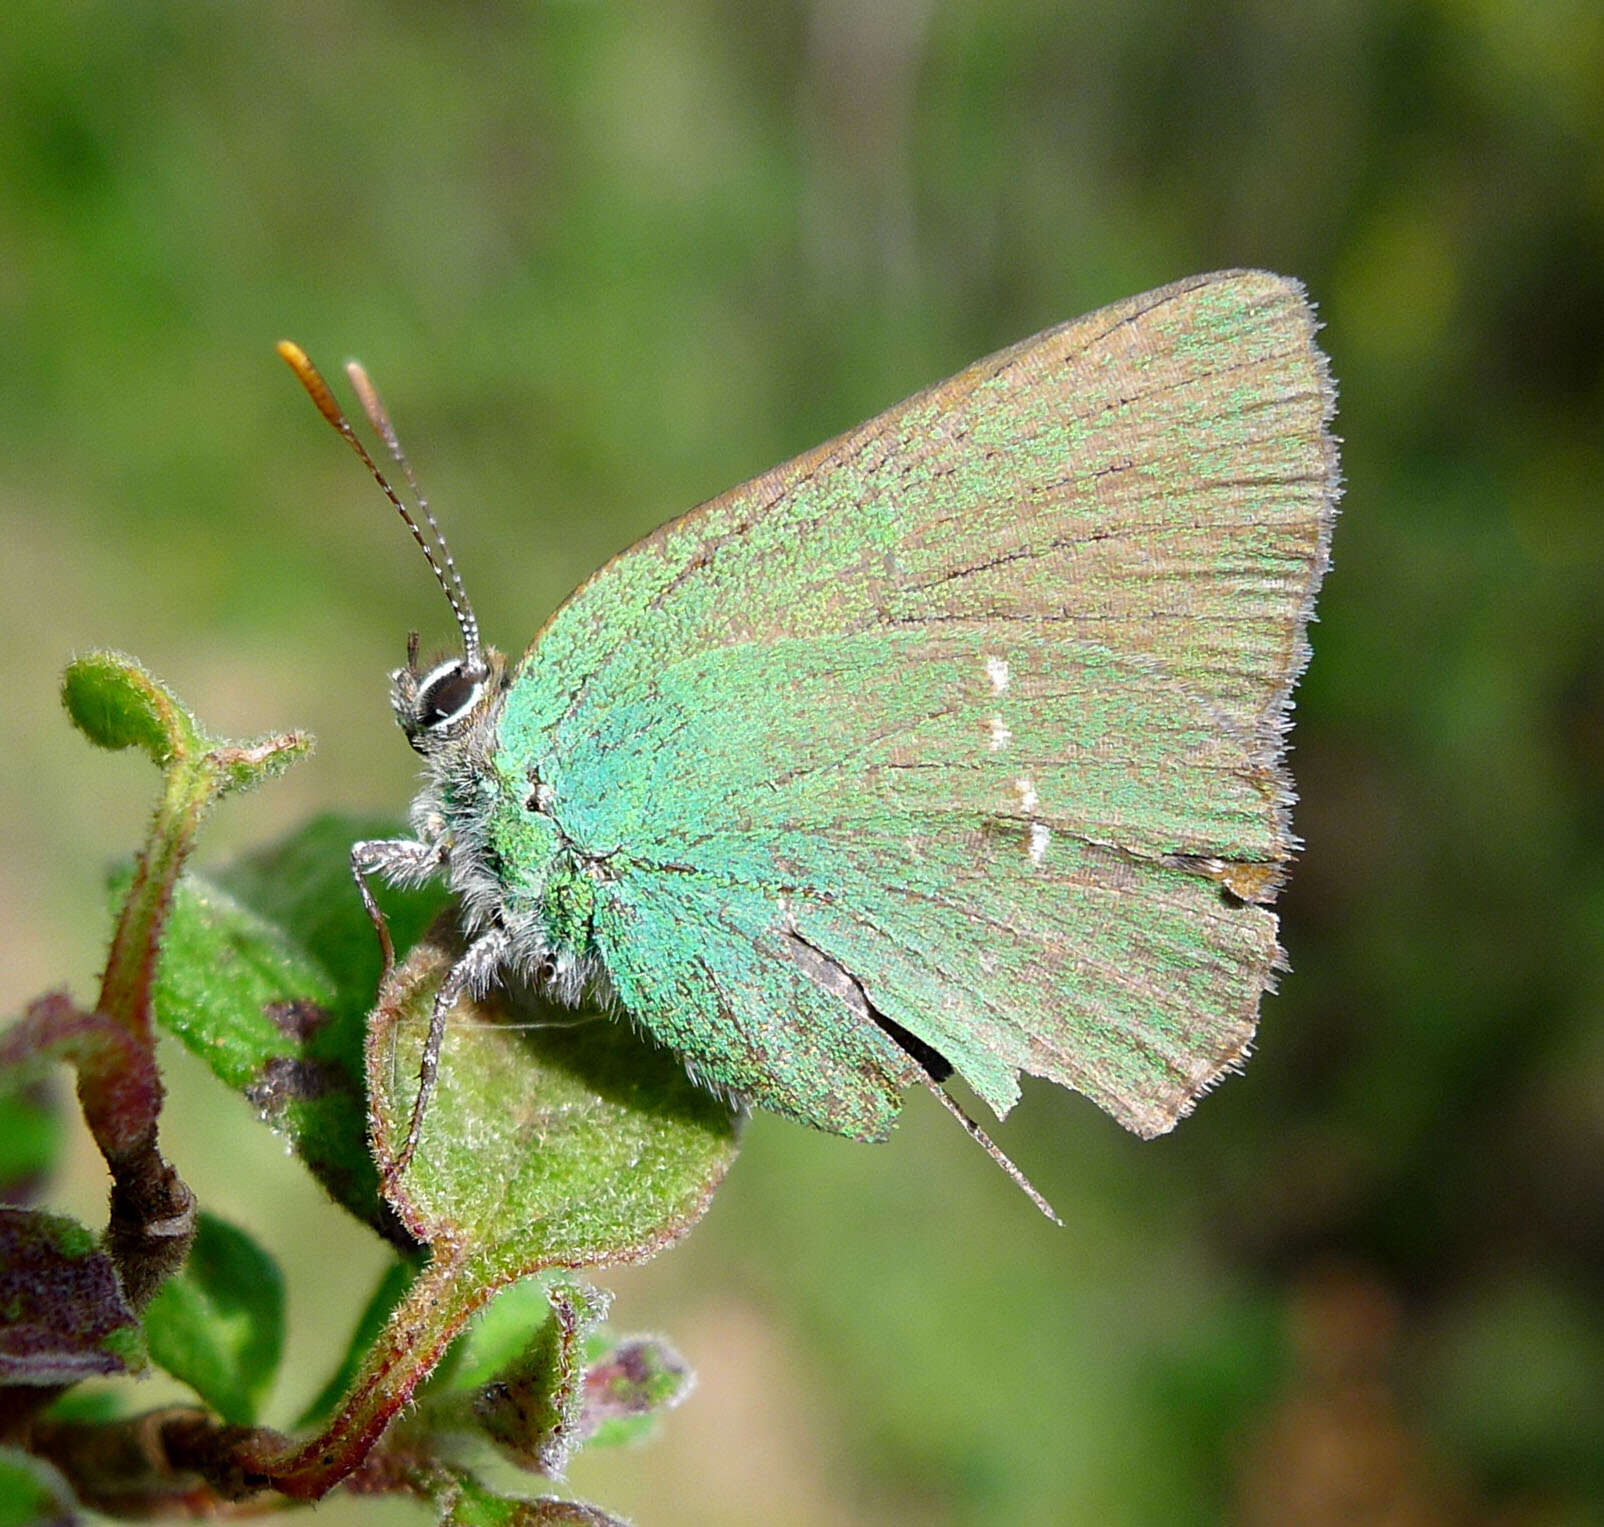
(703, 964)
(980, 708)
(975, 890)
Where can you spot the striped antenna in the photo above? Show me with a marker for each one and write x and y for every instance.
(443, 567)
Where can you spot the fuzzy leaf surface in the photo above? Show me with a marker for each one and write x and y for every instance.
(499, 1334)
(532, 1409)
(555, 1138)
(64, 1314)
(116, 704)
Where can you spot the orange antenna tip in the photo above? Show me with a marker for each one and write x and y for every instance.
(311, 379)
(444, 569)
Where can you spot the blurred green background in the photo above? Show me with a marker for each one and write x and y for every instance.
(606, 260)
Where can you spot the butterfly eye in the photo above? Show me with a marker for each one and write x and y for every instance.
(446, 694)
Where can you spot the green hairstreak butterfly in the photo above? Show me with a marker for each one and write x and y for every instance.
(954, 745)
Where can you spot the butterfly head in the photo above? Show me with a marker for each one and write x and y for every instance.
(438, 705)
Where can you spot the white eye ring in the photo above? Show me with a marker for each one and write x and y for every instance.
(443, 676)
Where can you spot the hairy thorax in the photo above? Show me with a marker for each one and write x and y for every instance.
(508, 860)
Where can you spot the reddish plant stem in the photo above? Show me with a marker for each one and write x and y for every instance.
(187, 790)
(438, 1305)
(152, 1211)
(189, 1458)
(185, 1462)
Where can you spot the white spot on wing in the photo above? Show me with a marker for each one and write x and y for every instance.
(1000, 735)
(997, 672)
(1027, 793)
(1040, 836)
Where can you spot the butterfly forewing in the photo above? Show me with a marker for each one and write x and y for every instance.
(981, 705)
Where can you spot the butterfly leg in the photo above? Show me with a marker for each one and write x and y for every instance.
(402, 861)
(470, 976)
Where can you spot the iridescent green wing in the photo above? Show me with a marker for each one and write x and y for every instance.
(970, 720)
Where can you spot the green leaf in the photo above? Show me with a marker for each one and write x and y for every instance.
(116, 704)
(500, 1333)
(531, 1409)
(64, 1314)
(219, 1323)
(555, 1137)
(30, 1134)
(92, 1406)
(627, 1381)
(32, 1493)
(243, 765)
(267, 974)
